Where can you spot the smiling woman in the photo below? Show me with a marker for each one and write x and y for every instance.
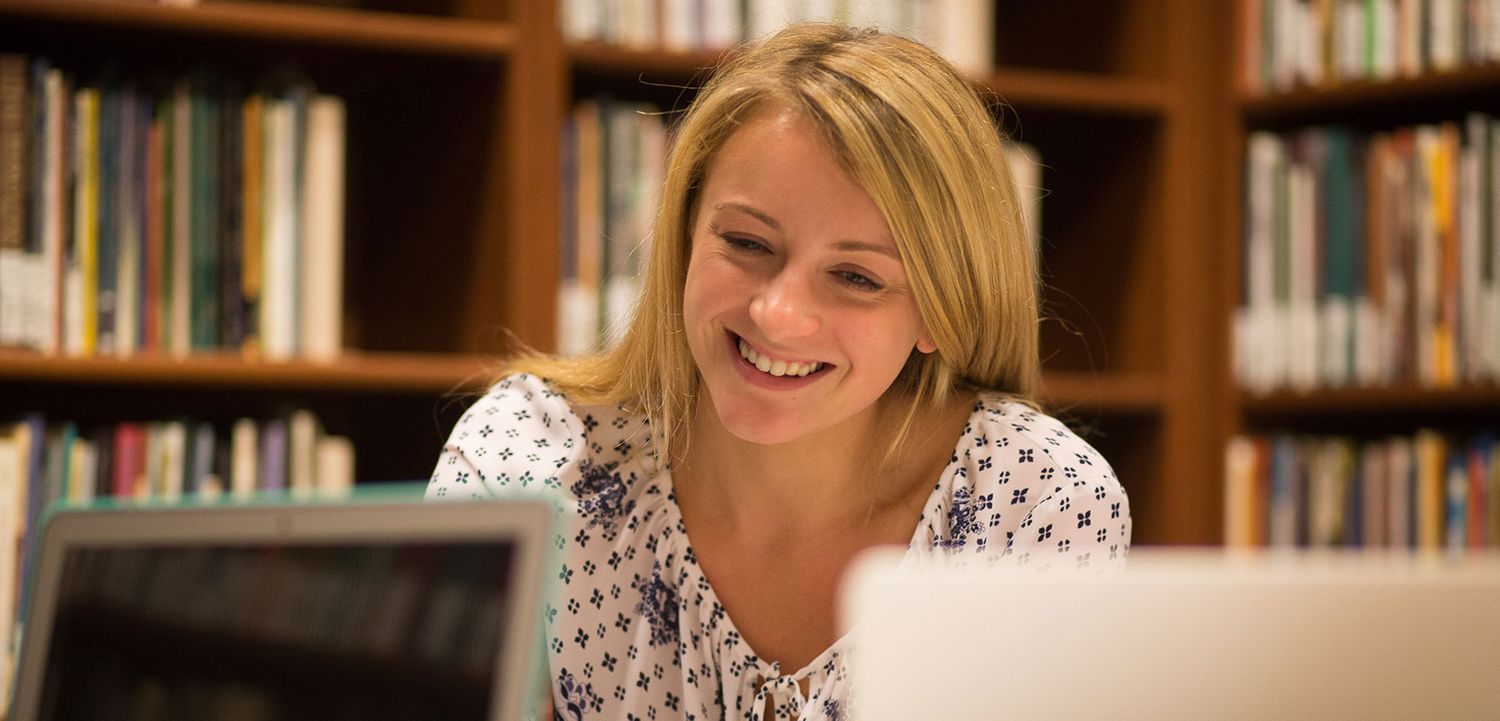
(836, 350)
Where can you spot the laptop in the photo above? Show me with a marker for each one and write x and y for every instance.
(360, 610)
(1178, 635)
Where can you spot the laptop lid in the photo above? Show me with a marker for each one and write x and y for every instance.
(366, 610)
(1179, 636)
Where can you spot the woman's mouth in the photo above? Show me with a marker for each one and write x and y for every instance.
(776, 367)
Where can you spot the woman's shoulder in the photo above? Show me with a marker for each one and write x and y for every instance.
(1004, 428)
(524, 433)
(1013, 466)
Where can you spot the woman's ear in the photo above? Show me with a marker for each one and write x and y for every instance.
(925, 343)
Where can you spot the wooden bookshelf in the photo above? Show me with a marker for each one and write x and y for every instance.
(279, 23)
(455, 116)
(1119, 393)
(354, 372)
(1366, 106)
(1387, 403)
(1083, 93)
(1429, 94)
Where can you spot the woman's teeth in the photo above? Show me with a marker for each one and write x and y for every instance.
(776, 367)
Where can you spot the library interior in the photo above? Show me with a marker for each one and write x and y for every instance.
(255, 247)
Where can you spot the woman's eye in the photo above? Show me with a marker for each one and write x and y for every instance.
(744, 244)
(856, 280)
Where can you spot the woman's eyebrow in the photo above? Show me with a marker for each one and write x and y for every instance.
(855, 245)
(843, 245)
(752, 212)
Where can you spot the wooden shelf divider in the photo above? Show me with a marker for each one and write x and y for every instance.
(1306, 104)
(355, 371)
(1125, 393)
(1394, 401)
(282, 23)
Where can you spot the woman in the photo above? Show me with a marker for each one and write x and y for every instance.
(837, 350)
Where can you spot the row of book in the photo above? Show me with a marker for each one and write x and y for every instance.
(1371, 260)
(155, 214)
(42, 463)
(1427, 491)
(962, 30)
(1294, 43)
(613, 155)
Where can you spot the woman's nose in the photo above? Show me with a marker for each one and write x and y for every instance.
(784, 310)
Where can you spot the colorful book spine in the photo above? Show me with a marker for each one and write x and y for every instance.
(1430, 491)
(161, 215)
(1370, 260)
(1293, 43)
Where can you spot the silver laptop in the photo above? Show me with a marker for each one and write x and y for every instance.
(365, 610)
(1179, 635)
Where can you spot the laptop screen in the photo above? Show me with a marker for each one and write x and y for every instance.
(257, 633)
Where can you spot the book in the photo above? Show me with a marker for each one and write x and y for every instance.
(322, 231)
(273, 460)
(243, 462)
(13, 163)
(12, 499)
(56, 208)
(181, 198)
(203, 221)
(1430, 452)
(335, 465)
(200, 475)
(278, 302)
(302, 434)
(231, 321)
(253, 214)
(174, 448)
(1239, 492)
(1374, 494)
(129, 214)
(107, 278)
(129, 479)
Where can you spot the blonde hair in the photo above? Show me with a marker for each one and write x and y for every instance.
(915, 135)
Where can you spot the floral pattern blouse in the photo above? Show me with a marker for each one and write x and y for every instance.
(635, 631)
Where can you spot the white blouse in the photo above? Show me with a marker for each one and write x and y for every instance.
(635, 631)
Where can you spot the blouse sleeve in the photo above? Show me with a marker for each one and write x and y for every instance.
(1083, 522)
(1056, 498)
(520, 438)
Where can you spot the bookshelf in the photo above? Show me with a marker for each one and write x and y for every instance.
(472, 95)
(1392, 411)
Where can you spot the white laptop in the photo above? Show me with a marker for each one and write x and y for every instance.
(364, 610)
(1179, 635)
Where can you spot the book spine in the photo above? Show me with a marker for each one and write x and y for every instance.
(253, 215)
(86, 219)
(231, 220)
(273, 455)
(204, 218)
(108, 277)
(57, 205)
(182, 214)
(323, 230)
(13, 161)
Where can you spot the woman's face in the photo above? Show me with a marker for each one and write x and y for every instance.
(797, 308)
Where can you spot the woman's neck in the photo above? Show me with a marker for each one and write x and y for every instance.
(828, 482)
